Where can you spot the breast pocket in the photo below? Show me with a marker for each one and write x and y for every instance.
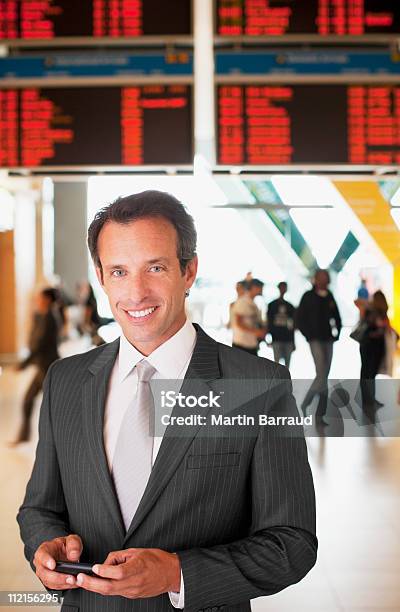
(213, 460)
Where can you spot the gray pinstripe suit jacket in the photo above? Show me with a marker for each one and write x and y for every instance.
(238, 509)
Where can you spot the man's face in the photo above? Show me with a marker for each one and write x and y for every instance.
(321, 280)
(143, 281)
(42, 303)
(255, 290)
(282, 289)
(240, 289)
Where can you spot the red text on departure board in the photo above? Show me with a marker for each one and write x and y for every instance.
(80, 126)
(253, 17)
(36, 18)
(324, 17)
(8, 128)
(47, 19)
(254, 125)
(131, 126)
(43, 125)
(311, 124)
(117, 18)
(268, 125)
(9, 19)
(374, 125)
(231, 125)
(134, 102)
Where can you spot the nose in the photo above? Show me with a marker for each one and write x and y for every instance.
(138, 291)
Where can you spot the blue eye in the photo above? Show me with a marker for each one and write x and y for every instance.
(156, 268)
(117, 273)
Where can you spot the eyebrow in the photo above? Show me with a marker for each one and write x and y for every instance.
(149, 261)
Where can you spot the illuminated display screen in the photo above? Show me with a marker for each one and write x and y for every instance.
(308, 124)
(324, 17)
(149, 124)
(46, 19)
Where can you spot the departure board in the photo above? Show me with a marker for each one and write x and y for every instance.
(321, 17)
(308, 124)
(47, 19)
(79, 126)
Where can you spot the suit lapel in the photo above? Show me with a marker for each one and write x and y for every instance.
(203, 368)
(94, 398)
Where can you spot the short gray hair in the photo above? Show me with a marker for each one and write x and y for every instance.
(147, 204)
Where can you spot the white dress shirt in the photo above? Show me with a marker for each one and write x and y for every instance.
(171, 360)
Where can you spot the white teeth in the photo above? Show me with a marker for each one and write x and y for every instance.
(141, 313)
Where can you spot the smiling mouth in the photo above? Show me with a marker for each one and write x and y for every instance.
(141, 314)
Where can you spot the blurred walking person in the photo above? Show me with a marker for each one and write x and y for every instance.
(280, 324)
(43, 350)
(241, 288)
(247, 324)
(319, 321)
(378, 342)
(92, 321)
(363, 293)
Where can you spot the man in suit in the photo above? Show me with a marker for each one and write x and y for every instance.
(199, 521)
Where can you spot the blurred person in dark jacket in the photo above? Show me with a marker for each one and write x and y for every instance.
(319, 321)
(43, 350)
(92, 321)
(280, 317)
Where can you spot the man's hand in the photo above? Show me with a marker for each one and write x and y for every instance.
(134, 573)
(67, 548)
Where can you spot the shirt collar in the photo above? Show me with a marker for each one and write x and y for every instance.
(168, 359)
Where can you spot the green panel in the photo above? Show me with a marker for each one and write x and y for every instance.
(349, 246)
(265, 193)
(388, 188)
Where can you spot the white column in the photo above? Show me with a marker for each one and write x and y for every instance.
(204, 130)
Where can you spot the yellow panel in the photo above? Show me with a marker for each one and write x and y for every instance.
(396, 298)
(367, 202)
(371, 208)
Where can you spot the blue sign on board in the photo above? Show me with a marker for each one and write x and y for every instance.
(104, 65)
(326, 62)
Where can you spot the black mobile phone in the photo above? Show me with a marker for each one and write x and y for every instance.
(66, 567)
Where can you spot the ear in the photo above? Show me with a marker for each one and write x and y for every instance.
(99, 274)
(191, 271)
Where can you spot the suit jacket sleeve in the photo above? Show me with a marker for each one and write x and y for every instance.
(281, 545)
(43, 515)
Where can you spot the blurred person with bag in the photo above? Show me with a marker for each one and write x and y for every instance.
(378, 341)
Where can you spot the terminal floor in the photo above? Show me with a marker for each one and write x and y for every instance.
(357, 483)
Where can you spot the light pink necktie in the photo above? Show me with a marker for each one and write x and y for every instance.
(133, 454)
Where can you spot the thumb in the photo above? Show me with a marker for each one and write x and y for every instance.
(73, 547)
